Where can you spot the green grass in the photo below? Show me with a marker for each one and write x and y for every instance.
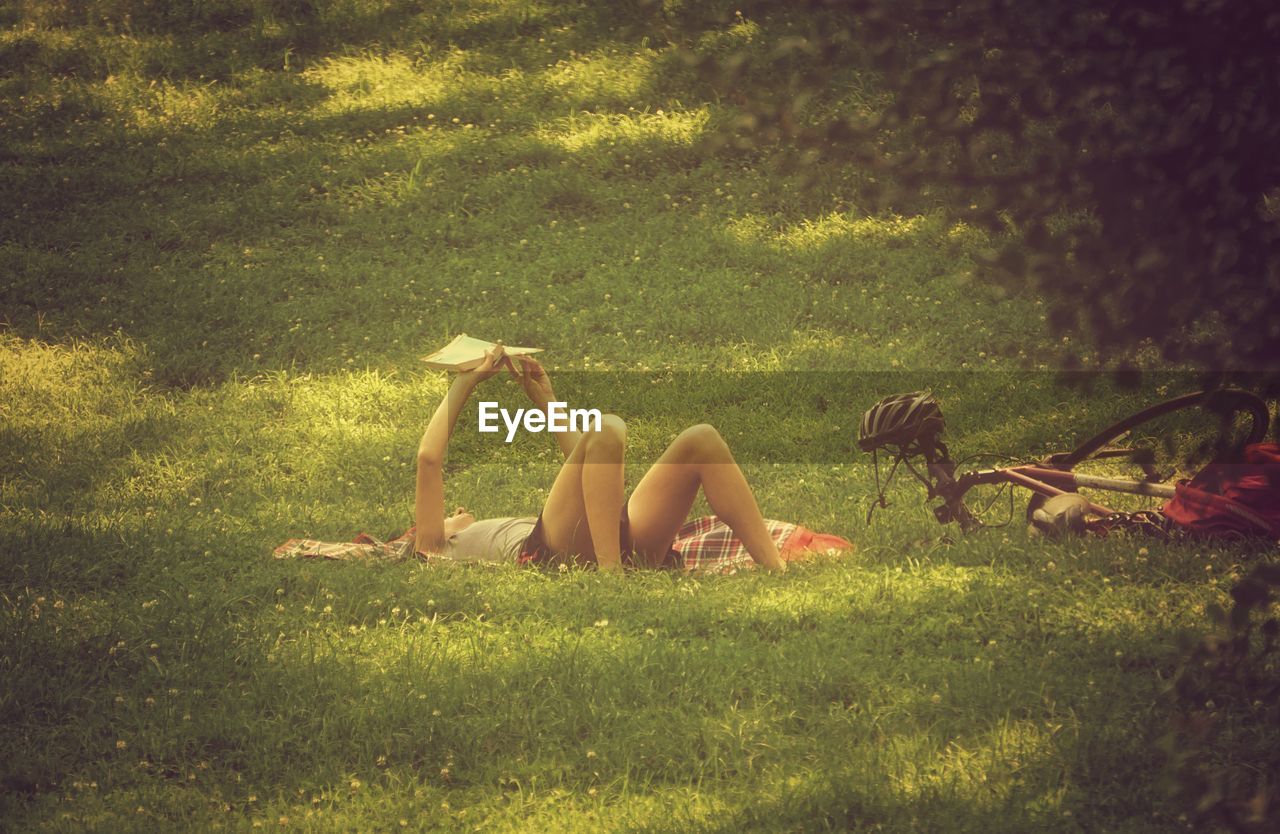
(222, 254)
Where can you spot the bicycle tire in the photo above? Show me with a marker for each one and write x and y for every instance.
(1226, 400)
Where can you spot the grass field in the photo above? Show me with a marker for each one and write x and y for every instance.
(224, 247)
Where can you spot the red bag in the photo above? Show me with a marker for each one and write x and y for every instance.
(1232, 499)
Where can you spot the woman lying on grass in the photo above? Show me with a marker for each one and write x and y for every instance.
(586, 519)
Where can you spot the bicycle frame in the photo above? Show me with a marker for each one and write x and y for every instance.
(1053, 475)
(1038, 479)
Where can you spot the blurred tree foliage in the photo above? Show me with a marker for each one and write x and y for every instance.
(1222, 748)
(1130, 148)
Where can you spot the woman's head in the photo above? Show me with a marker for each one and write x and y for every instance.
(459, 521)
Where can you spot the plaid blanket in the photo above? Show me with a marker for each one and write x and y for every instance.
(364, 548)
(706, 544)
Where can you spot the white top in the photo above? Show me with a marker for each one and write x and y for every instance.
(489, 540)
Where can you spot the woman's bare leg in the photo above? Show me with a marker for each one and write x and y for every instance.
(699, 457)
(602, 490)
(582, 513)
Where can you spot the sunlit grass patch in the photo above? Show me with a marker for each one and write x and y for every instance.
(468, 88)
(887, 230)
(985, 771)
(66, 408)
(119, 99)
(44, 380)
(190, 105)
(581, 132)
(602, 81)
(372, 81)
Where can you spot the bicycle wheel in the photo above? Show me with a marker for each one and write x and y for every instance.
(1173, 440)
(1226, 403)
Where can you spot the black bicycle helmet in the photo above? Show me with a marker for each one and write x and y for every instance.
(903, 420)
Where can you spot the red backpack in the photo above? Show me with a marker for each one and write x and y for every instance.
(1232, 499)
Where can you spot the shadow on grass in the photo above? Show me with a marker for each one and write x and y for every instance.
(137, 224)
(162, 225)
(521, 680)
(223, 40)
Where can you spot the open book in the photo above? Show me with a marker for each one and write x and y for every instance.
(465, 353)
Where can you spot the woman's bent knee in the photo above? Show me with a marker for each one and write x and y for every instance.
(613, 426)
(612, 434)
(702, 442)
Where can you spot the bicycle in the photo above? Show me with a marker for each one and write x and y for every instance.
(910, 427)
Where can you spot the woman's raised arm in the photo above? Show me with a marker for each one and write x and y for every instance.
(428, 504)
(537, 385)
